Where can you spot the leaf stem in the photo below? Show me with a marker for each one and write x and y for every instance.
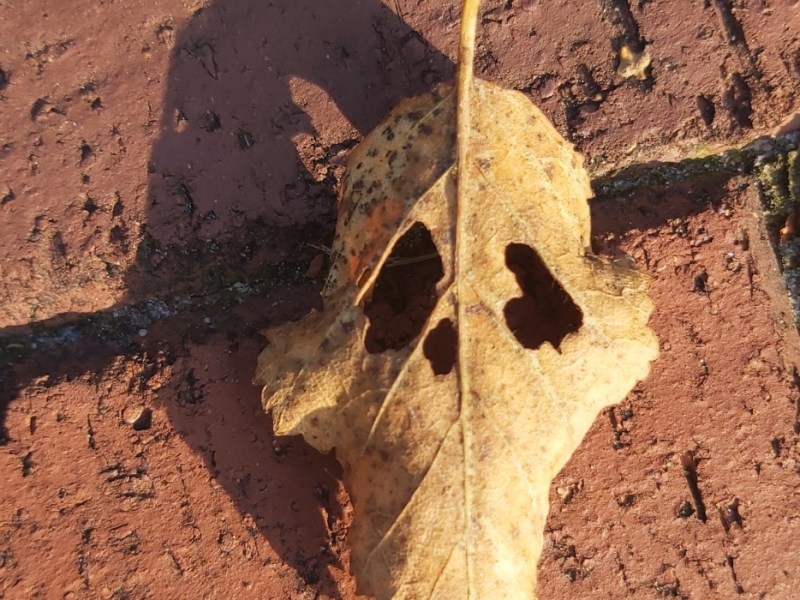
(464, 87)
(466, 59)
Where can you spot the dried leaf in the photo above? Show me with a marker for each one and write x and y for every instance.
(449, 465)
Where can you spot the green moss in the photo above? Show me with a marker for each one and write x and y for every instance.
(773, 183)
(793, 168)
(664, 174)
(779, 185)
(778, 182)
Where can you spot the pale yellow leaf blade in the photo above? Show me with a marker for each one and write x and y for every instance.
(449, 474)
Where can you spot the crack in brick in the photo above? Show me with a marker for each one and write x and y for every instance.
(735, 37)
(737, 98)
(620, 15)
(689, 465)
(736, 585)
(123, 322)
(119, 323)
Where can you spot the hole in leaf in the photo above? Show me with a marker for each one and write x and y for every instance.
(440, 347)
(405, 292)
(545, 312)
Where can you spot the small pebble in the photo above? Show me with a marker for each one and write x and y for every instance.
(142, 332)
(143, 419)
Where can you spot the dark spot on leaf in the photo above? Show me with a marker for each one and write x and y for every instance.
(440, 347)
(404, 293)
(545, 312)
(425, 129)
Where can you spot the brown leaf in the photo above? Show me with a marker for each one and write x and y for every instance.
(449, 468)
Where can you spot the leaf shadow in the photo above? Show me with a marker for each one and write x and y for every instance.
(241, 180)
